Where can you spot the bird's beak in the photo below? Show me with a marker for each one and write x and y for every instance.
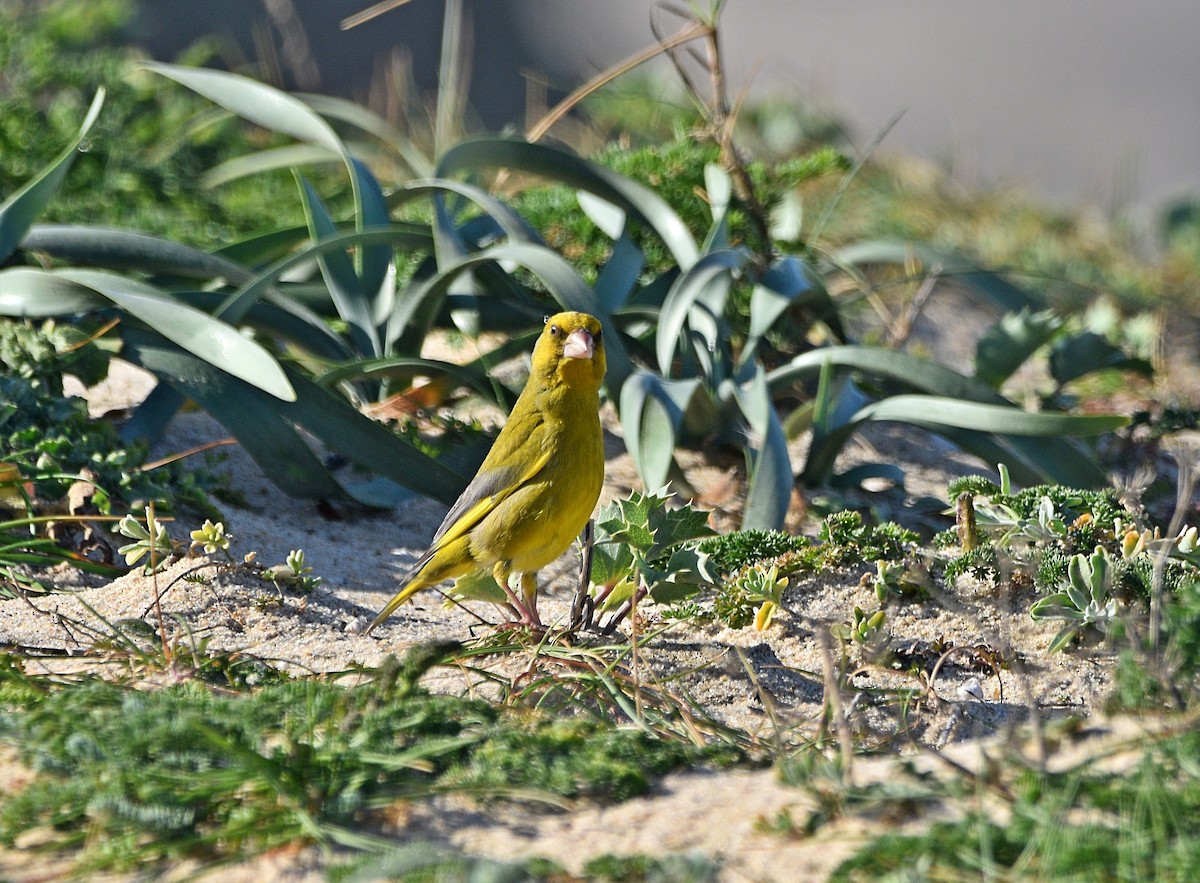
(579, 345)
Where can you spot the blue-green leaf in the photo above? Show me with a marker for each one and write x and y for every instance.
(345, 287)
(21, 209)
(1006, 346)
(195, 331)
(642, 203)
(690, 287)
(768, 465)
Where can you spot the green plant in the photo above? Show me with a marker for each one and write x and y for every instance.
(644, 549)
(866, 630)
(296, 572)
(1082, 823)
(753, 596)
(150, 541)
(189, 771)
(203, 356)
(144, 156)
(731, 552)
(1083, 603)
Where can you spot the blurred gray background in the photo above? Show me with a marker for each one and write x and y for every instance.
(1080, 102)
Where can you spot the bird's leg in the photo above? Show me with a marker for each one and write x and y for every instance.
(529, 590)
(501, 573)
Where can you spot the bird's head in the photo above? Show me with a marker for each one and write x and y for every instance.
(571, 350)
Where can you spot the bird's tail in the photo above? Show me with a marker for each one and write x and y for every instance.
(399, 598)
(443, 560)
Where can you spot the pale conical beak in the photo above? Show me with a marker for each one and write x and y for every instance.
(579, 345)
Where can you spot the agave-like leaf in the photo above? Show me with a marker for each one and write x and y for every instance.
(259, 249)
(691, 287)
(406, 367)
(1031, 461)
(1034, 461)
(642, 203)
(788, 281)
(768, 465)
(939, 411)
(398, 235)
(375, 266)
(718, 188)
(282, 319)
(257, 102)
(194, 330)
(652, 419)
(1010, 342)
(358, 116)
(265, 426)
(944, 415)
(949, 264)
(116, 249)
(515, 227)
(27, 293)
(337, 269)
(22, 208)
(619, 276)
(268, 107)
(913, 372)
(1080, 354)
(289, 156)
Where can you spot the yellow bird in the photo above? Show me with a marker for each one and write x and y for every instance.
(537, 487)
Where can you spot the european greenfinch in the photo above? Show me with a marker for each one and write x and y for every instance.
(537, 487)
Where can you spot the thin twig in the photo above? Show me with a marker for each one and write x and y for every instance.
(539, 130)
(353, 21)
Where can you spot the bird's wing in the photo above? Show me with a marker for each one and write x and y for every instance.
(485, 491)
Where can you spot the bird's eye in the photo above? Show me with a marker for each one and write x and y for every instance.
(599, 334)
(555, 330)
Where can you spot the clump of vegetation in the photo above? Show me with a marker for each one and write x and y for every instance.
(1035, 533)
(53, 56)
(193, 771)
(1079, 824)
(52, 444)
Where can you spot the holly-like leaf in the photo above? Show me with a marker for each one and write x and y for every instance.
(610, 562)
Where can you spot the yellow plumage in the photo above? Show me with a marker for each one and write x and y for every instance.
(538, 485)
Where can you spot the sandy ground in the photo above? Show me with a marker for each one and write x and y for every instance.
(762, 682)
